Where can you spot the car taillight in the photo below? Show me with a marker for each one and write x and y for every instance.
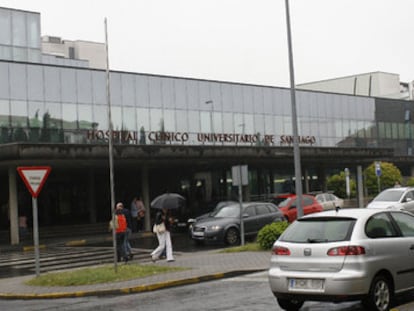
(281, 251)
(346, 251)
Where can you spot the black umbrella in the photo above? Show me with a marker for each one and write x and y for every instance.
(168, 201)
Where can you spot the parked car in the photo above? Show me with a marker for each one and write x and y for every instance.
(219, 206)
(224, 224)
(349, 254)
(278, 198)
(309, 205)
(329, 201)
(398, 198)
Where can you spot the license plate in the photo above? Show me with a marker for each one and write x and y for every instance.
(306, 284)
(198, 233)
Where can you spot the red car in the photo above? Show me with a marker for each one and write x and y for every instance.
(309, 204)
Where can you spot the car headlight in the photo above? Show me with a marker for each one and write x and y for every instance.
(215, 228)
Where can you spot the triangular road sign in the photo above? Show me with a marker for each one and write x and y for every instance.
(34, 177)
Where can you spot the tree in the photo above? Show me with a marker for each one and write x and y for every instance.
(389, 175)
(337, 183)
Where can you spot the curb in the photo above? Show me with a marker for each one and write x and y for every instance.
(132, 289)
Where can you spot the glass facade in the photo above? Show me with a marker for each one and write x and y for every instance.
(41, 103)
(20, 35)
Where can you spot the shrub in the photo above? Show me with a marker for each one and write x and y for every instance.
(270, 233)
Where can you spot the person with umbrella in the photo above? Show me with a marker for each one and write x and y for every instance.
(164, 238)
(164, 203)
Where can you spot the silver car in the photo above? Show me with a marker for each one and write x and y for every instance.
(329, 201)
(350, 254)
(398, 198)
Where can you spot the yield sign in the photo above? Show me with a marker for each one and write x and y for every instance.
(34, 177)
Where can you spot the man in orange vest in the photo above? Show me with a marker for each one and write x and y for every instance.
(120, 232)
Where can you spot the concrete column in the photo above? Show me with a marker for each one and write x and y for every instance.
(13, 207)
(360, 187)
(146, 198)
(91, 197)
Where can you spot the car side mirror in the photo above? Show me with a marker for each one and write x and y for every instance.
(245, 215)
(408, 200)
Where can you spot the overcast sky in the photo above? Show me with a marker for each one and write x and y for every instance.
(240, 40)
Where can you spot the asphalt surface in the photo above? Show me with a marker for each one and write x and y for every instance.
(202, 264)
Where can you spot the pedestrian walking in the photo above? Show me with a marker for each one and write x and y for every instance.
(134, 214)
(164, 237)
(126, 245)
(141, 214)
(120, 226)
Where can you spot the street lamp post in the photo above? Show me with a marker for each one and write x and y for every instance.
(210, 102)
(296, 151)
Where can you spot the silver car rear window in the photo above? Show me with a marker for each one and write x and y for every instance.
(319, 230)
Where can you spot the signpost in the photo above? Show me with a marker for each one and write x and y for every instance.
(34, 178)
(240, 178)
(378, 173)
(347, 183)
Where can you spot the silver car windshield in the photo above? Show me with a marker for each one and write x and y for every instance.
(389, 196)
(319, 230)
(227, 211)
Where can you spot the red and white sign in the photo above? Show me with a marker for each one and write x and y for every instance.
(34, 177)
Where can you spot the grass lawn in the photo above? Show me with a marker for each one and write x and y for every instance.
(97, 275)
(248, 247)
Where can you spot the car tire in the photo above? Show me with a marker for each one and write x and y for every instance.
(379, 296)
(290, 305)
(232, 237)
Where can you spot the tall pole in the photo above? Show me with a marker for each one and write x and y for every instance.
(110, 148)
(296, 152)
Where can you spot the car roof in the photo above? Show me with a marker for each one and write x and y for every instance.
(349, 212)
(401, 189)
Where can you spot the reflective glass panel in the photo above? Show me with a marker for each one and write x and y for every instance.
(155, 92)
(181, 118)
(53, 111)
(167, 85)
(169, 120)
(129, 119)
(19, 28)
(68, 85)
(4, 112)
(18, 113)
(5, 27)
(100, 117)
(36, 112)
(35, 82)
(18, 82)
(239, 125)
(52, 83)
(70, 117)
(5, 52)
(84, 86)
(33, 30)
(228, 123)
(116, 116)
(4, 81)
(194, 121)
(115, 79)
(128, 90)
(99, 87)
(143, 118)
(157, 122)
(85, 116)
(217, 122)
(19, 54)
(206, 122)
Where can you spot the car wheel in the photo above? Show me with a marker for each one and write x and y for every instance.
(232, 237)
(290, 305)
(379, 296)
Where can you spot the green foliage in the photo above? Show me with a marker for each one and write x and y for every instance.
(337, 183)
(270, 233)
(248, 247)
(389, 175)
(410, 182)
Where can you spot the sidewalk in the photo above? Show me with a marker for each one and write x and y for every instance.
(202, 266)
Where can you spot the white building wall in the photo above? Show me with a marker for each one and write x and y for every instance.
(377, 84)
